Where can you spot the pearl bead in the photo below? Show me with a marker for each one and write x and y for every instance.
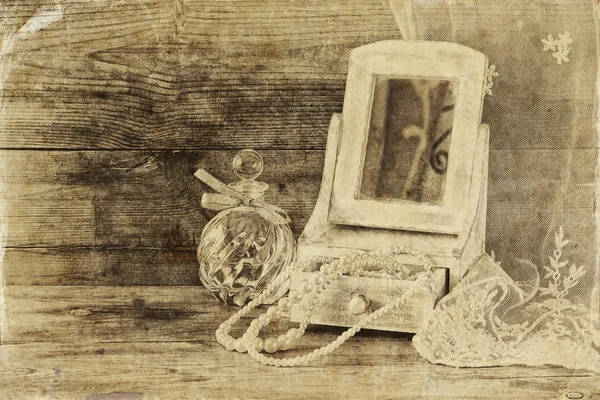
(306, 286)
(284, 304)
(293, 333)
(283, 342)
(230, 344)
(240, 346)
(271, 345)
(258, 344)
(273, 312)
(316, 279)
(295, 296)
(252, 331)
(326, 269)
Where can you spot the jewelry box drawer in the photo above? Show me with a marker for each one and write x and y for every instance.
(349, 299)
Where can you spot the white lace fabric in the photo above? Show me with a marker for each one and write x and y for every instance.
(490, 320)
(541, 305)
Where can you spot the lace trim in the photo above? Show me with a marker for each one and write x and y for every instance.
(489, 320)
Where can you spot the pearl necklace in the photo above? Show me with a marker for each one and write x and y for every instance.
(356, 264)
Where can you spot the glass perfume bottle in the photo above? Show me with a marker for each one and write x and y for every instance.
(249, 242)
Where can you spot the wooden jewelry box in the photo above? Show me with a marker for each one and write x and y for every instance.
(405, 165)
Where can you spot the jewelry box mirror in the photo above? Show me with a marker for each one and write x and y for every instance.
(405, 167)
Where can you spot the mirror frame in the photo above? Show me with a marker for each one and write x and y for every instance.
(412, 60)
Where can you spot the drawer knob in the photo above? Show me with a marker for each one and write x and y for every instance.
(358, 304)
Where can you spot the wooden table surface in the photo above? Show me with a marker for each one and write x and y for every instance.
(157, 342)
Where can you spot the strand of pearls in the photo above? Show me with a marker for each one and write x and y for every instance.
(357, 264)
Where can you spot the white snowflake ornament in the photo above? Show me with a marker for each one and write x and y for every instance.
(560, 47)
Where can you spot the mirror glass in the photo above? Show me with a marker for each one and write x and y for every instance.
(410, 128)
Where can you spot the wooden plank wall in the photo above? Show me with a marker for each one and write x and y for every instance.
(108, 107)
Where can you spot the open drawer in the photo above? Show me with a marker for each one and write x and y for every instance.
(349, 299)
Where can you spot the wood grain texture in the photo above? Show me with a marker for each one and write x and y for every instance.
(207, 74)
(100, 266)
(63, 314)
(174, 356)
(202, 370)
(181, 74)
(134, 199)
(62, 209)
(110, 314)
